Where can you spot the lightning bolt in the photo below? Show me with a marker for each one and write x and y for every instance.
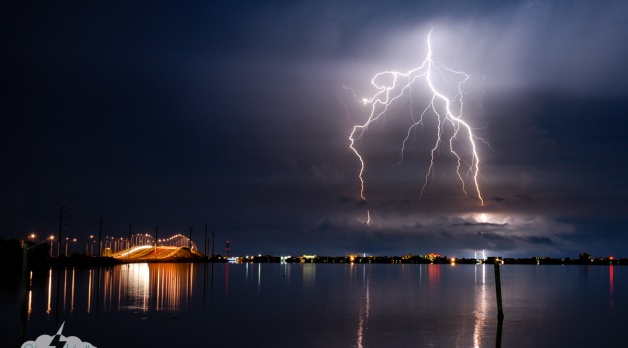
(448, 111)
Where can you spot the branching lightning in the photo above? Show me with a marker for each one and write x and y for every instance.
(448, 111)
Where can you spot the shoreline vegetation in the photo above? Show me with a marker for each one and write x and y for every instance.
(38, 256)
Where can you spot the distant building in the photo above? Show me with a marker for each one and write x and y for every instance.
(493, 259)
(432, 257)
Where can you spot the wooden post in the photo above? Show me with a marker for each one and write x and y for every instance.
(498, 290)
(498, 336)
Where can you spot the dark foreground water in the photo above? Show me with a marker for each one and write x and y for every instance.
(321, 305)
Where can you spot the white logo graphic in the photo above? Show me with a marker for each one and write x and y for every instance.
(57, 341)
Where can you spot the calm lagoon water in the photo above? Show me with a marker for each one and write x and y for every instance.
(322, 305)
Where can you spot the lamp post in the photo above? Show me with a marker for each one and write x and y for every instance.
(66, 246)
(31, 238)
(52, 240)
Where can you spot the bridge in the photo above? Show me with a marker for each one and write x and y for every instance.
(177, 247)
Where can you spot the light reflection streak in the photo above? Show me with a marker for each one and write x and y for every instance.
(89, 291)
(612, 279)
(190, 284)
(364, 313)
(145, 276)
(172, 281)
(65, 283)
(433, 275)
(30, 293)
(481, 306)
(120, 283)
(112, 281)
(72, 292)
(259, 277)
(286, 270)
(135, 288)
(158, 291)
(309, 275)
(49, 308)
(106, 287)
(140, 286)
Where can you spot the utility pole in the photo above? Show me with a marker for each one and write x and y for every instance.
(61, 224)
(129, 240)
(190, 241)
(213, 235)
(100, 237)
(205, 241)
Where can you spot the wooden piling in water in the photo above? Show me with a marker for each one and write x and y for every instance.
(498, 290)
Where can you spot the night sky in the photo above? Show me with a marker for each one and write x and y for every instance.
(237, 115)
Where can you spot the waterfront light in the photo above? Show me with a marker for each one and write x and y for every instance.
(52, 238)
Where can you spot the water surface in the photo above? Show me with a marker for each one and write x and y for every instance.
(322, 305)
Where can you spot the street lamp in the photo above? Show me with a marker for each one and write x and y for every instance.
(66, 246)
(52, 240)
(31, 237)
(91, 237)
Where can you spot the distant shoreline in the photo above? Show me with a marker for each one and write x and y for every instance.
(83, 261)
(12, 255)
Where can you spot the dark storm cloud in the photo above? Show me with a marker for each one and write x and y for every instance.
(232, 114)
(460, 240)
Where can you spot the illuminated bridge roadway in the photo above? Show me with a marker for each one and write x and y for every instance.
(175, 247)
